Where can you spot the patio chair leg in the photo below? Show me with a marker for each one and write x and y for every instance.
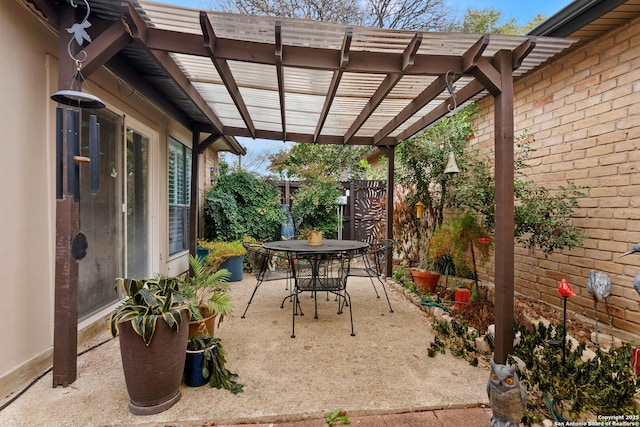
(385, 294)
(293, 316)
(250, 299)
(347, 296)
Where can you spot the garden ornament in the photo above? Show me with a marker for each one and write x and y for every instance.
(636, 280)
(565, 290)
(507, 396)
(599, 287)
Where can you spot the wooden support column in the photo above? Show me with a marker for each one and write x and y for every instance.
(505, 223)
(389, 152)
(194, 209)
(65, 318)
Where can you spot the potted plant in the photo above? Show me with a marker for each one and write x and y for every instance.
(424, 277)
(152, 343)
(205, 362)
(313, 236)
(206, 292)
(199, 360)
(227, 255)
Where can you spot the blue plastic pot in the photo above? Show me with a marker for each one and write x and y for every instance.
(202, 253)
(193, 369)
(234, 265)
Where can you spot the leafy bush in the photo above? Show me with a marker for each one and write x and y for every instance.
(314, 205)
(241, 204)
(604, 385)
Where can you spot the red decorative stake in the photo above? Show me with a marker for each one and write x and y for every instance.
(564, 288)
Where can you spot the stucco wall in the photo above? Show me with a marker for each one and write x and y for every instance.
(27, 249)
(584, 113)
(28, 210)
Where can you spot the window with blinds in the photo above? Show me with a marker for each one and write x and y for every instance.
(179, 196)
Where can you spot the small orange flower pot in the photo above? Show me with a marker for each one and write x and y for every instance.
(462, 296)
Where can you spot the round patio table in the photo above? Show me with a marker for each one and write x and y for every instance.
(328, 246)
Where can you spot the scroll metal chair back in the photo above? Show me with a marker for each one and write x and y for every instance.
(319, 272)
(259, 260)
(373, 264)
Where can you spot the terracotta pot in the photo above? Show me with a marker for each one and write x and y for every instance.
(425, 281)
(462, 295)
(153, 373)
(204, 326)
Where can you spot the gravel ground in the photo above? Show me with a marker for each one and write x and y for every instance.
(383, 369)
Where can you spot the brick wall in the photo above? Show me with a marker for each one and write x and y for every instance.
(584, 112)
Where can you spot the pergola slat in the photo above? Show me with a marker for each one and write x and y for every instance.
(280, 75)
(225, 73)
(335, 82)
(390, 81)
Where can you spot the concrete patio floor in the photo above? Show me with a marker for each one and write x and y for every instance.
(381, 377)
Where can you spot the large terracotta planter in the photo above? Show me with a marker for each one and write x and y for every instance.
(153, 373)
(203, 327)
(425, 281)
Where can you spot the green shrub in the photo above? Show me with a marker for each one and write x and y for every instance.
(241, 204)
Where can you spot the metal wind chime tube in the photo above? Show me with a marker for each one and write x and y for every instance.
(59, 151)
(73, 151)
(94, 153)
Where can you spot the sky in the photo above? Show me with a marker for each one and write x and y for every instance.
(522, 10)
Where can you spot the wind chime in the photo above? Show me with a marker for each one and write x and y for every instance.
(68, 121)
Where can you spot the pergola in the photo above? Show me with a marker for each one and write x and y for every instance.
(271, 78)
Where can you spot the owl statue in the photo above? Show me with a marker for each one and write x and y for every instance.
(507, 396)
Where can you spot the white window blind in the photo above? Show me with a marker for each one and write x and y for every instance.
(179, 195)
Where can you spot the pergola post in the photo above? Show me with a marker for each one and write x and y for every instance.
(194, 206)
(389, 152)
(504, 209)
(65, 318)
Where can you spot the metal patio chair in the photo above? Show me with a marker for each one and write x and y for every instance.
(261, 261)
(373, 262)
(319, 272)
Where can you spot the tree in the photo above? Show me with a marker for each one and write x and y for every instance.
(341, 12)
(342, 162)
(423, 15)
(419, 15)
(487, 21)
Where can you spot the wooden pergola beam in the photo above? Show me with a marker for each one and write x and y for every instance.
(280, 76)
(387, 85)
(210, 41)
(463, 95)
(426, 96)
(302, 56)
(141, 33)
(105, 46)
(335, 82)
